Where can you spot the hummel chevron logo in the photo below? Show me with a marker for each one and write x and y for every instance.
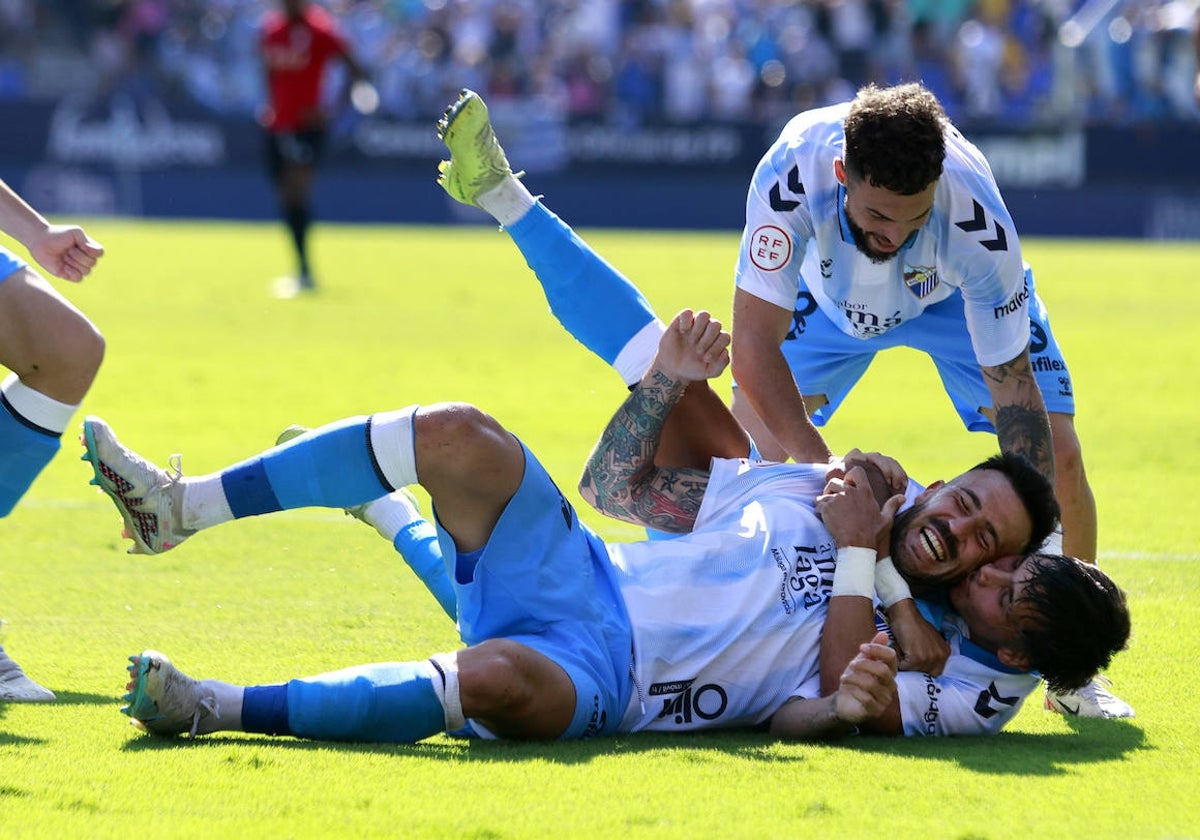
(983, 705)
(784, 205)
(146, 523)
(980, 222)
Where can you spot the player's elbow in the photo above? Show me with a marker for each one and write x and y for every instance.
(587, 490)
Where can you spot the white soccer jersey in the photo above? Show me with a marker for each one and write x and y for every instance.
(727, 619)
(975, 695)
(796, 239)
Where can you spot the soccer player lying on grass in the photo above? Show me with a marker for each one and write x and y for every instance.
(569, 637)
(606, 313)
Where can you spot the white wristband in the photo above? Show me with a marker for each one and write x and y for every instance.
(855, 572)
(889, 586)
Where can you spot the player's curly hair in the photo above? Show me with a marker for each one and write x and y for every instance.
(895, 138)
(1035, 491)
(1078, 620)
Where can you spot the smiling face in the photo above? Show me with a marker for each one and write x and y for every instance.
(989, 600)
(954, 528)
(881, 220)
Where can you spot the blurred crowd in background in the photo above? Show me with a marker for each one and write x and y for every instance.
(641, 62)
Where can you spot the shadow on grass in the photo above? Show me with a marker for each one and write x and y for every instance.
(64, 698)
(80, 698)
(1017, 754)
(692, 747)
(11, 739)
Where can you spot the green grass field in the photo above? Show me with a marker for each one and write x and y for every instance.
(202, 361)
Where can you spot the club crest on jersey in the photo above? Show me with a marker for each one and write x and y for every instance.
(921, 280)
(770, 248)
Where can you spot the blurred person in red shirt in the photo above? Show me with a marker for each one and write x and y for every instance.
(299, 42)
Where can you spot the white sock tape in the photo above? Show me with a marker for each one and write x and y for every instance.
(393, 446)
(855, 572)
(889, 586)
(638, 353)
(446, 667)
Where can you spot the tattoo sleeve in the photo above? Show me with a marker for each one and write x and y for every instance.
(621, 479)
(1022, 425)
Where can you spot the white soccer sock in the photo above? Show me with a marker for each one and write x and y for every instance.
(390, 513)
(226, 712)
(507, 202)
(36, 407)
(202, 502)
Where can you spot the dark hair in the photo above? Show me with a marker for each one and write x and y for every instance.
(1079, 620)
(894, 138)
(1035, 491)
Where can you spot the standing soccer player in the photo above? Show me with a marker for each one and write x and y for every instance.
(297, 46)
(876, 224)
(53, 352)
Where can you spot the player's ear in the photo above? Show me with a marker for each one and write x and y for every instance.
(929, 491)
(1013, 658)
(839, 171)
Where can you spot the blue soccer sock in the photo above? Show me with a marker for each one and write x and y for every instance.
(397, 519)
(26, 446)
(393, 702)
(265, 709)
(589, 297)
(333, 466)
(417, 543)
(24, 453)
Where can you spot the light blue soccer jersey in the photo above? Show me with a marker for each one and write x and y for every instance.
(797, 241)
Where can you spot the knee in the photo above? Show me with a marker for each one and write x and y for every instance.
(82, 354)
(90, 350)
(459, 429)
(493, 683)
(65, 368)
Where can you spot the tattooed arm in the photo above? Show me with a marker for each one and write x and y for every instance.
(1019, 413)
(620, 478)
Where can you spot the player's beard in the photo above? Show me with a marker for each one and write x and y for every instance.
(860, 242)
(922, 580)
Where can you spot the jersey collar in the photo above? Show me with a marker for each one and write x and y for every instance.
(934, 610)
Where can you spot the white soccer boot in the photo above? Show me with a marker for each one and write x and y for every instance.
(1093, 700)
(148, 497)
(15, 687)
(165, 701)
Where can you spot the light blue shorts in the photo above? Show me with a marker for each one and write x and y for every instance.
(824, 360)
(10, 263)
(544, 579)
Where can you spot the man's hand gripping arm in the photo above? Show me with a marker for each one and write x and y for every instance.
(857, 524)
(866, 692)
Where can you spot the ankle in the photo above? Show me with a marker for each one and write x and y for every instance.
(507, 202)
